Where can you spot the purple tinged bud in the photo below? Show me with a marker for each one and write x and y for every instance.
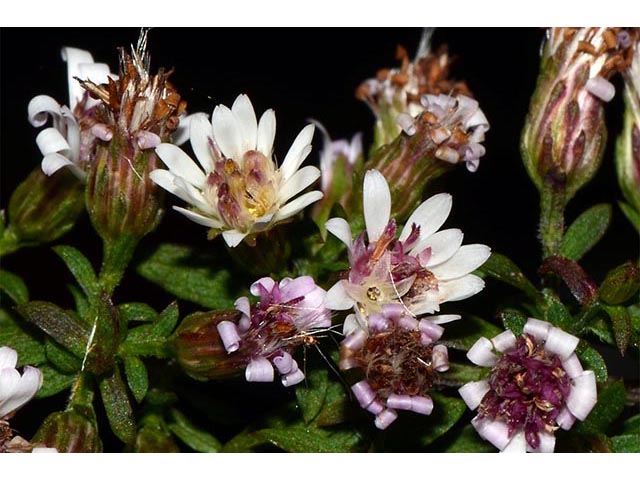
(355, 341)
(431, 329)
(102, 132)
(440, 358)
(147, 140)
(601, 88)
(285, 364)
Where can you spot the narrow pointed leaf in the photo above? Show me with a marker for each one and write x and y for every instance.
(54, 381)
(22, 338)
(592, 360)
(193, 437)
(586, 231)
(81, 269)
(502, 268)
(137, 377)
(14, 287)
(116, 403)
(311, 394)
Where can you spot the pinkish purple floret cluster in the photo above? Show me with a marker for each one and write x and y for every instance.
(528, 390)
(287, 315)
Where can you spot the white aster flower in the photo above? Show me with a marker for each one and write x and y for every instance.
(16, 389)
(536, 385)
(69, 142)
(420, 270)
(237, 189)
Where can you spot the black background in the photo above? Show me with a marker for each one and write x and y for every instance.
(302, 74)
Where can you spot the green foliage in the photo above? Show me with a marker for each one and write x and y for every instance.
(611, 399)
(137, 377)
(14, 287)
(620, 284)
(586, 231)
(117, 406)
(592, 360)
(81, 269)
(190, 275)
(312, 393)
(468, 441)
(626, 443)
(503, 269)
(22, 339)
(196, 439)
(621, 324)
(54, 381)
(513, 320)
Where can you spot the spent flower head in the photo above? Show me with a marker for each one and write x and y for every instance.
(237, 189)
(419, 270)
(536, 385)
(287, 315)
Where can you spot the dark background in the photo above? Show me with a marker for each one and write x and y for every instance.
(302, 74)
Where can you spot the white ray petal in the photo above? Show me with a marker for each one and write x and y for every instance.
(429, 216)
(537, 328)
(298, 182)
(517, 444)
(296, 205)
(583, 395)
(547, 443)
(494, 431)
(340, 228)
(74, 57)
(473, 392)
(27, 386)
(227, 133)
(443, 244)
(181, 164)
(233, 237)
(440, 319)
(572, 366)
(201, 136)
(561, 343)
(199, 219)
(8, 357)
(266, 133)
(246, 119)
(54, 161)
(481, 353)
(504, 341)
(352, 325)
(298, 152)
(465, 260)
(376, 202)
(565, 419)
(39, 109)
(460, 288)
(259, 370)
(51, 140)
(337, 297)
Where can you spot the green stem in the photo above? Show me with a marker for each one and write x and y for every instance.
(81, 392)
(552, 203)
(116, 257)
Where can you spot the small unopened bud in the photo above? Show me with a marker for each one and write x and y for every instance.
(199, 349)
(565, 134)
(69, 432)
(154, 437)
(42, 208)
(628, 146)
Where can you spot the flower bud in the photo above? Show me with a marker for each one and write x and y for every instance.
(564, 135)
(137, 112)
(199, 349)
(69, 432)
(154, 437)
(628, 147)
(42, 209)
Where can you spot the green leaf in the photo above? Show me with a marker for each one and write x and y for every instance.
(462, 334)
(503, 269)
(626, 443)
(61, 358)
(621, 323)
(81, 269)
(137, 377)
(54, 381)
(601, 328)
(459, 374)
(586, 231)
(632, 425)
(192, 436)
(592, 360)
(557, 314)
(336, 405)
(468, 441)
(307, 439)
(82, 305)
(137, 312)
(632, 215)
(116, 403)
(446, 413)
(166, 322)
(61, 325)
(513, 320)
(620, 284)
(16, 335)
(311, 394)
(14, 287)
(189, 275)
(610, 404)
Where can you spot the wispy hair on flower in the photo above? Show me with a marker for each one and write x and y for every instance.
(536, 385)
(236, 188)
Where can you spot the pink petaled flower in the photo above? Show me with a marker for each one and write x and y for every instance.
(332, 150)
(287, 315)
(399, 362)
(419, 270)
(536, 386)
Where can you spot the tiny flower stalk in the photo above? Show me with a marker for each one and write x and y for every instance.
(628, 146)
(564, 136)
(138, 111)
